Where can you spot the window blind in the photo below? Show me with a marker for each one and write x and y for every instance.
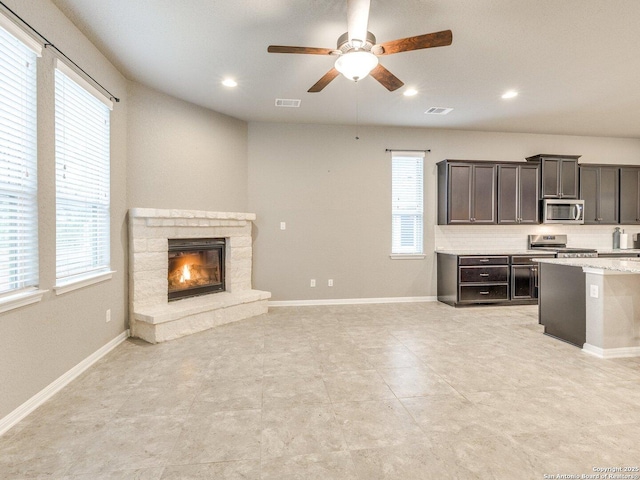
(18, 165)
(82, 152)
(407, 203)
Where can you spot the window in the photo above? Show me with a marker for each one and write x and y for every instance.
(18, 162)
(407, 203)
(82, 179)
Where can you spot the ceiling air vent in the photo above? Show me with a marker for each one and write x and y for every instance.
(287, 102)
(438, 111)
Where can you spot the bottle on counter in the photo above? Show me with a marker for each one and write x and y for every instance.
(616, 238)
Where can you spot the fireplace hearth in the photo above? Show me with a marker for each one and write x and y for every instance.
(196, 267)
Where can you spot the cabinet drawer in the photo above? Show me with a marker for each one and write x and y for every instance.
(488, 260)
(484, 274)
(528, 259)
(483, 293)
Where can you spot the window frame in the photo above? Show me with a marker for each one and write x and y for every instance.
(402, 197)
(20, 146)
(96, 242)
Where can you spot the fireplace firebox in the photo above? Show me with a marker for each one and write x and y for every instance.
(196, 267)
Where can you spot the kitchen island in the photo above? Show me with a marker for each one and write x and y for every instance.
(593, 303)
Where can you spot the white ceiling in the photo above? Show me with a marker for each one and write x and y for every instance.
(574, 62)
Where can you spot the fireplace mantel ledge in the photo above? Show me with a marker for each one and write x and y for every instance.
(174, 213)
(157, 314)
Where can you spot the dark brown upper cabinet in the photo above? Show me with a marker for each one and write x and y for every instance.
(599, 190)
(558, 175)
(629, 195)
(518, 193)
(466, 192)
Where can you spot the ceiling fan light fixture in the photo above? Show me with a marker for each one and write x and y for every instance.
(356, 65)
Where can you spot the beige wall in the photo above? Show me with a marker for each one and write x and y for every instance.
(333, 192)
(39, 343)
(184, 156)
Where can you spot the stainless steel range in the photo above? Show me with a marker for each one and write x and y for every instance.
(558, 244)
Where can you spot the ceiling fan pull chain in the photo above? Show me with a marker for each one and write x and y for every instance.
(357, 117)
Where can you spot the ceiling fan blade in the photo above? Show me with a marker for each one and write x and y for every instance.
(357, 19)
(428, 40)
(309, 50)
(324, 81)
(386, 78)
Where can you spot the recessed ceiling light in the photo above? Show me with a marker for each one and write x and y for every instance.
(229, 82)
(410, 92)
(510, 94)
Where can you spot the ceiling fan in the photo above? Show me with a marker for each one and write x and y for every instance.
(358, 52)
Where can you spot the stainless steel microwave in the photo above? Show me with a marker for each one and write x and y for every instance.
(564, 211)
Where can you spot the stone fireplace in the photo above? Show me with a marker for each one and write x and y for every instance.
(189, 271)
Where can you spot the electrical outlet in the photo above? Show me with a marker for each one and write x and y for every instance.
(283, 225)
(108, 315)
(593, 291)
(330, 282)
(313, 282)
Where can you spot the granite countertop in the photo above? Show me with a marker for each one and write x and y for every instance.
(524, 251)
(632, 251)
(630, 265)
(510, 251)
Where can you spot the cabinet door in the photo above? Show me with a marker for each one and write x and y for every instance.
(522, 282)
(484, 194)
(550, 178)
(589, 193)
(629, 195)
(529, 204)
(608, 195)
(459, 193)
(569, 179)
(508, 194)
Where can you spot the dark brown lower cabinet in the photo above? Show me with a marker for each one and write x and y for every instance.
(524, 276)
(496, 279)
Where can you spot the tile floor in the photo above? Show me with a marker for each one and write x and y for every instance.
(403, 391)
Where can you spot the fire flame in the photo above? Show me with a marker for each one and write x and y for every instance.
(186, 275)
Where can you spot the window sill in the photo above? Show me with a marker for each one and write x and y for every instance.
(82, 281)
(21, 299)
(407, 256)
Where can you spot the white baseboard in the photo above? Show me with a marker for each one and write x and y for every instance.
(621, 352)
(349, 301)
(50, 390)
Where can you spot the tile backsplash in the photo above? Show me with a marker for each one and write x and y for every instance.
(501, 237)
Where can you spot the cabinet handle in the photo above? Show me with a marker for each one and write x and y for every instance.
(484, 293)
(484, 260)
(484, 274)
